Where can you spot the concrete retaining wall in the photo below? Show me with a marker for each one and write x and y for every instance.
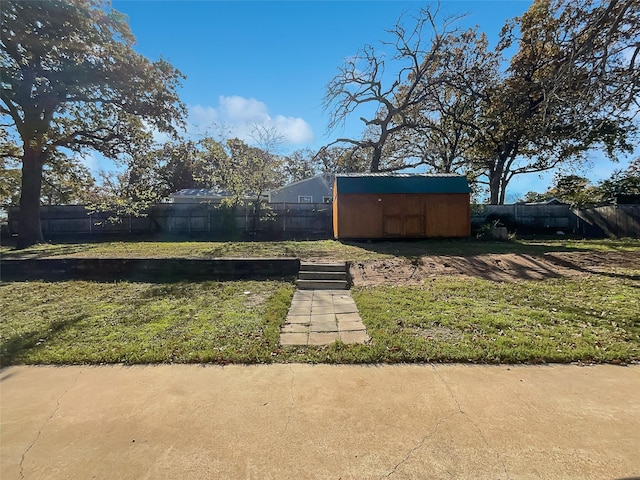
(148, 269)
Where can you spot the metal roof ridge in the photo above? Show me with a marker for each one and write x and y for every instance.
(296, 182)
(398, 174)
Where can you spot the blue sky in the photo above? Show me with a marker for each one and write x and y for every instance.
(267, 62)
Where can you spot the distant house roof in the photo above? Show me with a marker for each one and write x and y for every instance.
(324, 177)
(401, 183)
(190, 195)
(199, 192)
(554, 201)
(550, 201)
(318, 187)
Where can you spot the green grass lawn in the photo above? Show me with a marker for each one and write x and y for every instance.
(84, 322)
(346, 250)
(589, 319)
(593, 319)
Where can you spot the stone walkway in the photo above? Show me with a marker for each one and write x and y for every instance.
(320, 317)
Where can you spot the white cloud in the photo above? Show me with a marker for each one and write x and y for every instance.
(238, 116)
(237, 109)
(296, 130)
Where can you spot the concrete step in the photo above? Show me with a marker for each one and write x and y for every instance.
(305, 275)
(323, 267)
(322, 284)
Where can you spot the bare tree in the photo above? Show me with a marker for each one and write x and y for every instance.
(363, 86)
(445, 123)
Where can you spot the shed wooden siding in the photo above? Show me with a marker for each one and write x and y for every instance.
(394, 214)
(401, 215)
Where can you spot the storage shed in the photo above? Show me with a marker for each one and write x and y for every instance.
(394, 205)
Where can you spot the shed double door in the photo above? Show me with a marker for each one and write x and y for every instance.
(403, 217)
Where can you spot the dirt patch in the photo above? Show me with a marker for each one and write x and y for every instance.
(596, 262)
(496, 267)
(437, 333)
(254, 300)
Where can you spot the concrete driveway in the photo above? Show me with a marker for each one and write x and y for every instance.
(320, 422)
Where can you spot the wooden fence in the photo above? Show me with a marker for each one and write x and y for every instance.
(602, 221)
(609, 220)
(300, 221)
(523, 216)
(281, 220)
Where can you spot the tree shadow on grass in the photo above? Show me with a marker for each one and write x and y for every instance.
(412, 248)
(47, 250)
(567, 263)
(11, 349)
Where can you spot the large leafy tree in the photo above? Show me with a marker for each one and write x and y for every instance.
(165, 169)
(64, 180)
(72, 80)
(300, 164)
(341, 159)
(67, 181)
(179, 166)
(622, 182)
(571, 86)
(241, 170)
(445, 129)
(9, 170)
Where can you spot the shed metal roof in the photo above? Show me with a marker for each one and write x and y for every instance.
(401, 183)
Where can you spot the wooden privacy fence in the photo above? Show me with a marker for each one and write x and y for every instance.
(300, 220)
(523, 216)
(280, 220)
(602, 221)
(609, 220)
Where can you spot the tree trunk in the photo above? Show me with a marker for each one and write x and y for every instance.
(494, 188)
(377, 150)
(375, 160)
(503, 192)
(497, 182)
(29, 230)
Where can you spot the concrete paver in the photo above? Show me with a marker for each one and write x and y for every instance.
(320, 422)
(348, 317)
(294, 338)
(323, 309)
(323, 318)
(350, 326)
(295, 328)
(304, 319)
(322, 338)
(323, 326)
(345, 308)
(325, 313)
